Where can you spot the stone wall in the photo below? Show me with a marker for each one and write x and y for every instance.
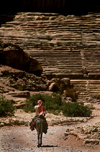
(63, 45)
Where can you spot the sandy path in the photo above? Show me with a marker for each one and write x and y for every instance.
(22, 139)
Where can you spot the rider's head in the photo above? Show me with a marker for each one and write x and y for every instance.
(40, 102)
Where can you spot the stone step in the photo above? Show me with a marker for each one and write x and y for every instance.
(85, 88)
(95, 92)
(80, 85)
(65, 42)
(61, 75)
(94, 81)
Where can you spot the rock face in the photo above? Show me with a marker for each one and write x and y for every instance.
(20, 80)
(14, 80)
(14, 56)
(63, 44)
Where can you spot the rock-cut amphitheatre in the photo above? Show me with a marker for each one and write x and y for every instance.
(66, 46)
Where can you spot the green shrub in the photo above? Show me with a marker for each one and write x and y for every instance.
(50, 102)
(76, 110)
(53, 104)
(31, 102)
(6, 107)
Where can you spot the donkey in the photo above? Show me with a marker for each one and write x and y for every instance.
(40, 124)
(39, 128)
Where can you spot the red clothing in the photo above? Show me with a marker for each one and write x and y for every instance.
(41, 110)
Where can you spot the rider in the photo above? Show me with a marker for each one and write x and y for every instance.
(40, 113)
(40, 110)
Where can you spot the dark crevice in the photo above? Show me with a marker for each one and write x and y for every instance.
(59, 6)
(9, 8)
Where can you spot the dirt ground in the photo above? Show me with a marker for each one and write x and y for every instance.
(22, 139)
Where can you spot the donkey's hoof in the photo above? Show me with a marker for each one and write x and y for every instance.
(39, 145)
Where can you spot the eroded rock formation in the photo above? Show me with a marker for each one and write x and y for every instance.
(64, 86)
(14, 56)
(21, 80)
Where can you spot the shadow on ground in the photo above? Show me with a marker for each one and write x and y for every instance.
(49, 146)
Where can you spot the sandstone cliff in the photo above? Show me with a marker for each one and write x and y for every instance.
(14, 56)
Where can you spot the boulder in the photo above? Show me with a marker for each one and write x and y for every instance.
(54, 87)
(14, 56)
(64, 87)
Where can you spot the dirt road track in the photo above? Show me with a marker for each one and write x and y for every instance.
(22, 139)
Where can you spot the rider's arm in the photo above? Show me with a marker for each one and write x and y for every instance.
(36, 110)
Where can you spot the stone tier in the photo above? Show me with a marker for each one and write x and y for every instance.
(62, 44)
(87, 88)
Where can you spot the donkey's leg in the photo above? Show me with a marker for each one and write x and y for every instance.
(41, 131)
(39, 127)
(38, 138)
